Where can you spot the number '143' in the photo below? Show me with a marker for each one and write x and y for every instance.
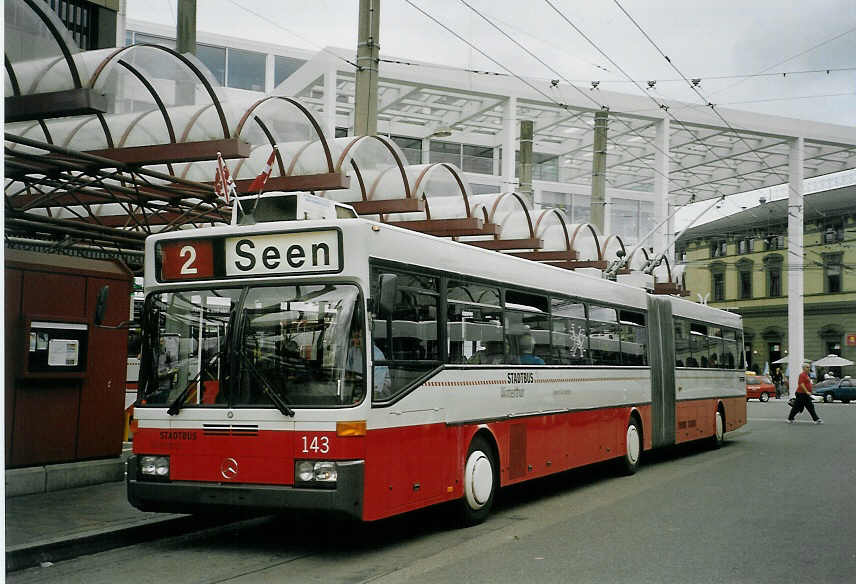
(316, 444)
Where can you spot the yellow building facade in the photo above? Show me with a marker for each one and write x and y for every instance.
(740, 264)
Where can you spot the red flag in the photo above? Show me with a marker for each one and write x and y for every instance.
(259, 182)
(219, 186)
(224, 186)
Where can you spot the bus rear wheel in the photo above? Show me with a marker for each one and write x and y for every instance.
(633, 448)
(480, 482)
(719, 430)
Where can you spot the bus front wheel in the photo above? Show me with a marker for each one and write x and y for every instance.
(480, 482)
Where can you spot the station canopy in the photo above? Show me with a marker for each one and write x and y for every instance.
(105, 147)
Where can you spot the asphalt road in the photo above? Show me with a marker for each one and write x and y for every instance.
(775, 504)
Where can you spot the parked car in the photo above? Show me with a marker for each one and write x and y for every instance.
(759, 387)
(840, 389)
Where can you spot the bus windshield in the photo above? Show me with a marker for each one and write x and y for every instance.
(265, 346)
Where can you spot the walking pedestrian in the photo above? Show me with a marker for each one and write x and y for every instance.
(803, 397)
(777, 381)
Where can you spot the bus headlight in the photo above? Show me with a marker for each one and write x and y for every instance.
(155, 466)
(321, 473)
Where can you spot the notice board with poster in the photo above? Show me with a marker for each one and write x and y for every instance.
(55, 348)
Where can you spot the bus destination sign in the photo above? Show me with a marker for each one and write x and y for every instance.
(188, 259)
(283, 253)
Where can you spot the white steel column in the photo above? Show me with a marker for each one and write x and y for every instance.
(794, 264)
(426, 150)
(661, 239)
(330, 101)
(270, 73)
(509, 144)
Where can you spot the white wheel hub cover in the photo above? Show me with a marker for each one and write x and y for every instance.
(478, 479)
(632, 443)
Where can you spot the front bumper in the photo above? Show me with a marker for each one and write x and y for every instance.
(197, 497)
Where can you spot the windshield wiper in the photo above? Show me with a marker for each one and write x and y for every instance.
(175, 407)
(277, 399)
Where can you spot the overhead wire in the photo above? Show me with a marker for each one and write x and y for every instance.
(661, 106)
(791, 58)
(630, 128)
(541, 61)
(275, 24)
(713, 107)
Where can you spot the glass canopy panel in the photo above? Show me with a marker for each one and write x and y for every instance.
(299, 139)
(32, 49)
(510, 212)
(611, 245)
(551, 230)
(584, 242)
(381, 172)
(181, 89)
(139, 129)
(27, 129)
(441, 185)
(80, 132)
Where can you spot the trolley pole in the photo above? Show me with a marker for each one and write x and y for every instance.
(526, 134)
(368, 57)
(598, 174)
(185, 28)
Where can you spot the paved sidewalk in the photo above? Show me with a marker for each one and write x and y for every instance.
(63, 524)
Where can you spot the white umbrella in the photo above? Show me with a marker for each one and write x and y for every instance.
(833, 361)
(785, 360)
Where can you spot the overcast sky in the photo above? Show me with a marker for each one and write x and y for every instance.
(703, 39)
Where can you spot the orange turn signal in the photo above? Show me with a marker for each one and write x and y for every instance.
(357, 428)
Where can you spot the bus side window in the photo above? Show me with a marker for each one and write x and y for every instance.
(698, 346)
(405, 344)
(527, 337)
(683, 355)
(634, 338)
(569, 333)
(604, 336)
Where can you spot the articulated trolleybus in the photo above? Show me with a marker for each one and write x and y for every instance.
(342, 364)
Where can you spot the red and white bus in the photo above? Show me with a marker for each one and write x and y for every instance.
(348, 365)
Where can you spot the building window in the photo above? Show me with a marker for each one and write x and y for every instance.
(773, 267)
(477, 159)
(631, 219)
(832, 273)
(412, 148)
(719, 287)
(215, 59)
(745, 285)
(150, 39)
(467, 157)
(718, 249)
(445, 152)
(745, 246)
(283, 67)
(81, 20)
(246, 70)
(774, 242)
(483, 189)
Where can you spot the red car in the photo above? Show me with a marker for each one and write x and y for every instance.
(759, 387)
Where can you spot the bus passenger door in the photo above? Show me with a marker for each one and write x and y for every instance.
(661, 336)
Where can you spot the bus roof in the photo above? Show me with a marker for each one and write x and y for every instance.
(366, 240)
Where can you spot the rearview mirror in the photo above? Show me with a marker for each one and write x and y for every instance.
(101, 304)
(388, 287)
